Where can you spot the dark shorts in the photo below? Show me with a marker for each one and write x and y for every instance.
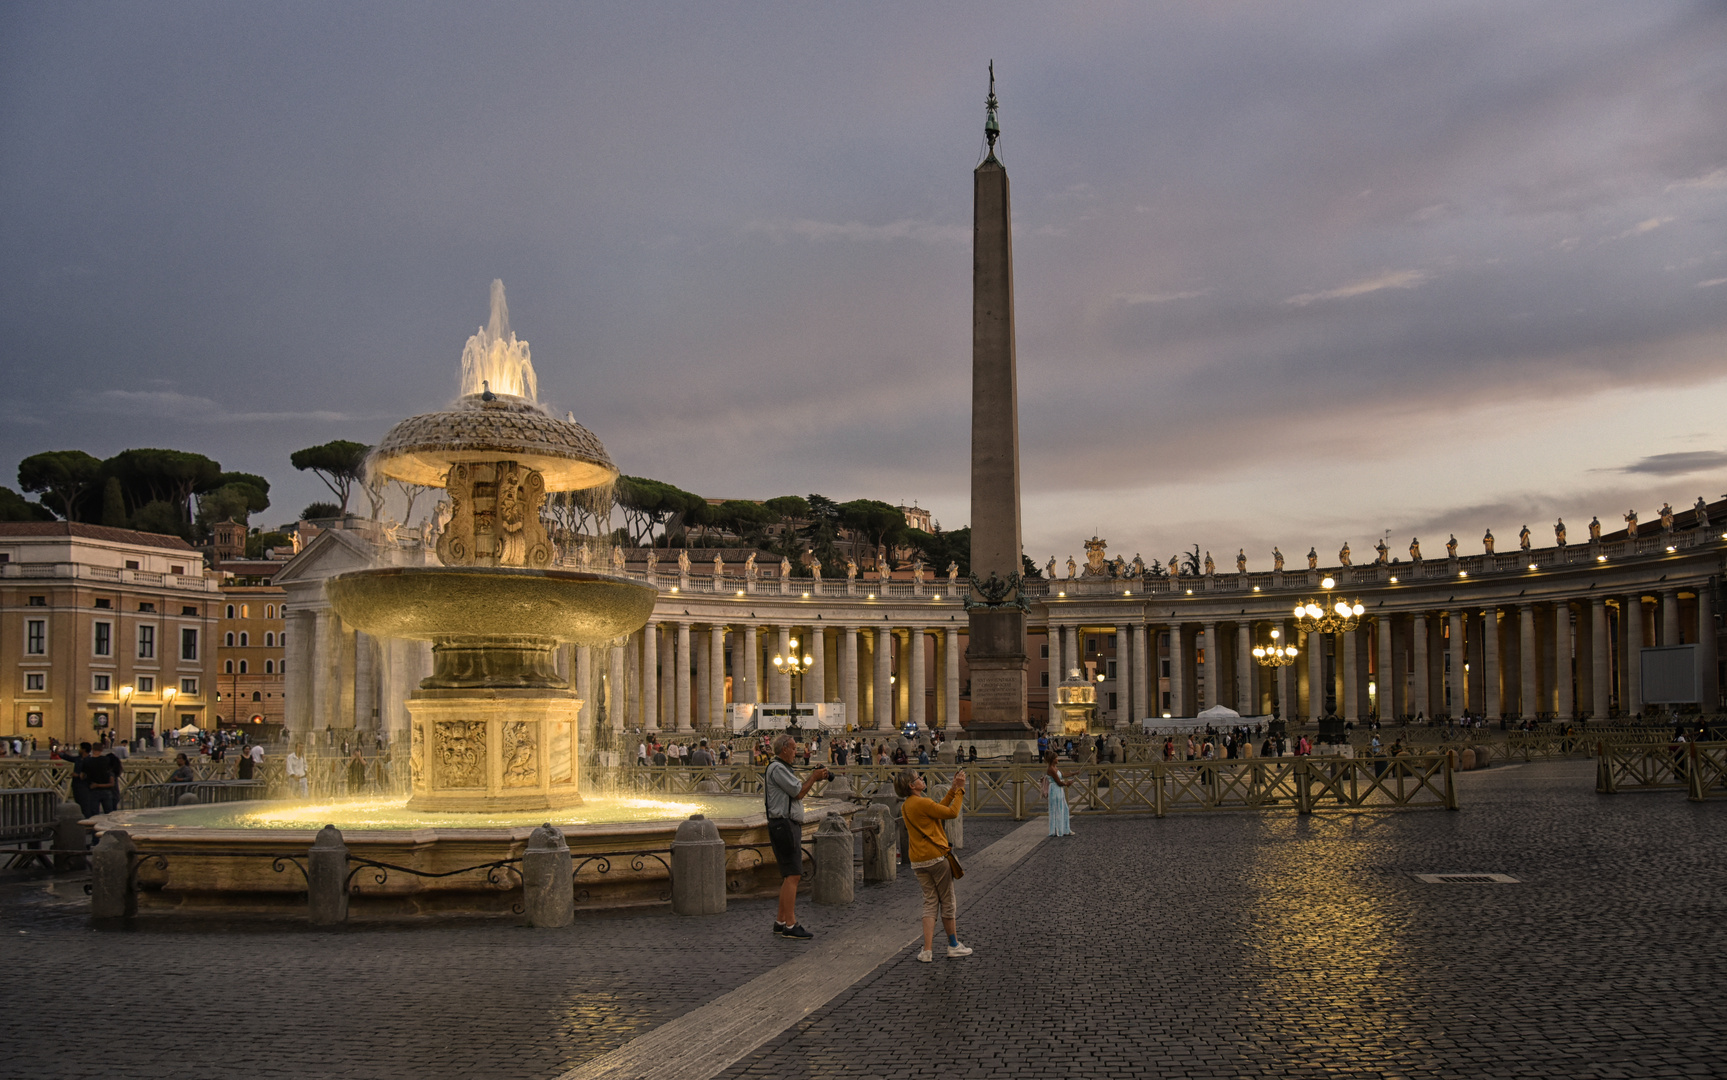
(787, 837)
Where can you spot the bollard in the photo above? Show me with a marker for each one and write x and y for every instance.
(548, 887)
(70, 837)
(833, 848)
(327, 878)
(710, 786)
(189, 798)
(881, 859)
(1482, 757)
(955, 826)
(1467, 760)
(698, 868)
(840, 787)
(112, 892)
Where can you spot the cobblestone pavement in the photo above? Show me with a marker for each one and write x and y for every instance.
(1216, 944)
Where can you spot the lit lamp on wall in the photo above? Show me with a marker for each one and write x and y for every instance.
(126, 693)
(168, 693)
(794, 665)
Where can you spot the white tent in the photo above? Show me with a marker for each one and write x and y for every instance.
(1219, 713)
(189, 729)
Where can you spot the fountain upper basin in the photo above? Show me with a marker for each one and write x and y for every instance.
(433, 603)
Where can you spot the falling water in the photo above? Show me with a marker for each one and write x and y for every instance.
(493, 359)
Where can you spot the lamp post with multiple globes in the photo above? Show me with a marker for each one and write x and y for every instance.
(1337, 617)
(794, 664)
(1274, 655)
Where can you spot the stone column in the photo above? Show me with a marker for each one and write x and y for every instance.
(615, 685)
(744, 680)
(1057, 669)
(1145, 699)
(884, 713)
(1458, 681)
(1287, 677)
(1528, 663)
(1123, 673)
(704, 677)
(1385, 686)
(299, 685)
(866, 679)
(950, 681)
(781, 682)
(1563, 671)
(651, 676)
(583, 682)
(1495, 695)
(681, 676)
(367, 715)
(1631, 617)
(1708, 649)
(1670, 634)
(1601, 677)
(1419, 665)
(717, 676)
(1177, 684)
(346, 654)
(667, 717)
(1315, 677)
(915, 692)
(815, 683)
(1348, 667)
(902, 640)
(1211, 669)
(1246, 701)
(848, 665)
(322, 676)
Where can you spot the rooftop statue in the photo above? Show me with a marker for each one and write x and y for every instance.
(1241, 561)
(1276, 559)
(1451, 547)
(952, 572)
(618, 562)
(1210, 567)
(785, 568)
(811, 563)
(1487, 542)
(1072, 568)
(750, 571)
(1175, 568)
(1384, 551)
(684, 562)
(653, 561)
(1702, 512)
(1666, 517)
(1049, 571)
(1096, 562)
(1559, 532)
(1594, 528)
(1415, 548)
(1343, 554)
(851, 569)
(1312, 559)
(1523, 538)
(1631, 524)
(719, 567)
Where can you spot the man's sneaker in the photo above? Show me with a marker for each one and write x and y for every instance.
(924, 956)
(796, 933)
(779, 928)
(958, 950)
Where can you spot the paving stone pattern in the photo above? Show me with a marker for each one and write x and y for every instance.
(1228, 945)
(1220, 944)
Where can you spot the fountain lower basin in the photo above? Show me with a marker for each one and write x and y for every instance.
(224, 858)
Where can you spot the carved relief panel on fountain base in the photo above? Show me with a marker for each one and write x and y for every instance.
(494, 750)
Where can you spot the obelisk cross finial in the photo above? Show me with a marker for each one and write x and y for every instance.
(991, 128)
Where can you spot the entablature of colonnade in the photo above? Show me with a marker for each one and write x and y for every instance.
(837, 611)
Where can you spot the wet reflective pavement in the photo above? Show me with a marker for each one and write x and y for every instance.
(1222, 944)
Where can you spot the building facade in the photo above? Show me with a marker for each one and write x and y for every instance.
(103, 630)
(251, 655)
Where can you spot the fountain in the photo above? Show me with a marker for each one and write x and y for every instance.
(494, 746)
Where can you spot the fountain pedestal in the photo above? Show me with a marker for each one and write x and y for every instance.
(494, 750)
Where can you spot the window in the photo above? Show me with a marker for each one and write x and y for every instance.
(1166, 701)
(228, 640)
(245, 611)
(189, 609)
(256, 696)
(1110, 671)
(1112, 707)
(38, 601)
(269, 611)
(146, 684)
(1090, 644)
(131, 564)
(243, 641)
(269, 667)
(103, 645)
(101, 684)
(146, 643)
(1045, 678)
(188, 643)
(145, 605)
(104, 603)
(176, 569)
(1109, 640)
(1044, 650)
(36, 637)
(35, 680)
(242, 667)
(1166, 669)
(227, 667)
(189, 687)
(230, 614)
(282, 639)
(269, 639)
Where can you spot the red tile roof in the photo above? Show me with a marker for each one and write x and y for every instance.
(93, 532)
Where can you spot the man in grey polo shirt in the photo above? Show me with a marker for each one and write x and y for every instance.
(784, 796)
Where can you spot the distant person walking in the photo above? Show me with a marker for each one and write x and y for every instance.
(784, 794)
(927, 848)
(1057, 791)
(296, 769)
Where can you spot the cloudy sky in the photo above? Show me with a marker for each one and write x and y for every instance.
(1288, 273)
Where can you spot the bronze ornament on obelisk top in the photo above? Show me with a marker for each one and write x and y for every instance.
(996, 610)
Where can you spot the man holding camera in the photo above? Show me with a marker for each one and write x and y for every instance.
(784, 797)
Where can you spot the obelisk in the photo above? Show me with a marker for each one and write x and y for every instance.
(996, 610)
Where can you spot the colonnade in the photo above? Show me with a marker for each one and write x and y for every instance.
(679, 675)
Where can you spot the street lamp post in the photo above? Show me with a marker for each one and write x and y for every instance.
(1274, 655)
(794, 664)
(1333, 618)
(125, 696)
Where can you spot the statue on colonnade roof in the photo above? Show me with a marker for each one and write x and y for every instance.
(1559, 532)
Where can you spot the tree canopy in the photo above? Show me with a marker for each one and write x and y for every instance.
(650, 504)
(167, 476)
(883, 524)
(339, 464)
(15, 507)
(62, 477)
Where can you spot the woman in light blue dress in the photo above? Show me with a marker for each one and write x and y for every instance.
(1058, 822)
